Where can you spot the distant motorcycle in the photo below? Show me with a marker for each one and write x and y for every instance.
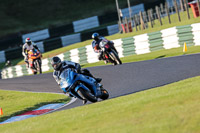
(108, 53)
(80, 86)
(34, 59)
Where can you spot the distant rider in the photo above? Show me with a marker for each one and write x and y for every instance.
(59, 66)
(29, 45)
(96, 42)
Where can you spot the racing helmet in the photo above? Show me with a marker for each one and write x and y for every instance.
(28, 41)
(95, 36)
(56, 63)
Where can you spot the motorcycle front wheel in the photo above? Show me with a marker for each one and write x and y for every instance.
(87, 95)
(115, 57)
(38, 66)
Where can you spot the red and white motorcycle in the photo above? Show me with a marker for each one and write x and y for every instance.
(109, 53)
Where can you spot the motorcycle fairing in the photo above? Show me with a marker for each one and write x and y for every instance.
(69, 77)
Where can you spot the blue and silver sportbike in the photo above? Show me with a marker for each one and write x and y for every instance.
(80, 86)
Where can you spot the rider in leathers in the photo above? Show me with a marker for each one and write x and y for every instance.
(59, 66)
(95, 45)
(29, 45)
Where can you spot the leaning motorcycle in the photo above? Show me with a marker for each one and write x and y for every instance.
(108, 53)
(82, 87)
(34, 59)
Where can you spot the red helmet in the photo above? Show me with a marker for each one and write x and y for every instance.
(28, 41)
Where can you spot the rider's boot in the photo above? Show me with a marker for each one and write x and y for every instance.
(84, 101)
(105, 61)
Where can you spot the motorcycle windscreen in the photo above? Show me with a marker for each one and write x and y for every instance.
(64, 80)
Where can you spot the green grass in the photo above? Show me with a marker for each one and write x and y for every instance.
(171, 108)
(14, 103)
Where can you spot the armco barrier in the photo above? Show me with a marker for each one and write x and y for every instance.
(37, 36)
(2, 56)
(140, 44)
(13, 53)
(52, 44)
(86, 24)
(61, 30)
(71, 39)
(12, 40)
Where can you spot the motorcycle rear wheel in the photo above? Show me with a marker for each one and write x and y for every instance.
(87, 95)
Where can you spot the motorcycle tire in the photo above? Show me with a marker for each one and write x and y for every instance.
(112, 58)
(87, 95)
(116, 58)
(38, 66)
(105, 94)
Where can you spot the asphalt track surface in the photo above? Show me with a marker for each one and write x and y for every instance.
(119, 80)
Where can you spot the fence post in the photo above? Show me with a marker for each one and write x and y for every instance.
(138, 19)
(126, 25)
(167, 11)
(158, 14)
(135, 24)
(198, 4)
(120, 27)
(118, 13)
(130, 11)
(161, 9)
(186, 7)
(145, 19)
(181, 4)
(142, 21)
(177, 11)
(150, 19)
(152, 15)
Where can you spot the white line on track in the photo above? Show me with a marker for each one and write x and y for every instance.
(70, 102)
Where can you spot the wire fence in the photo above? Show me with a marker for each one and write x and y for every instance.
(146, 19)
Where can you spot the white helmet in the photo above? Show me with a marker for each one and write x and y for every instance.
(28, 41)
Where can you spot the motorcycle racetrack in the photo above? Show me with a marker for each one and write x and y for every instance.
(118, 80)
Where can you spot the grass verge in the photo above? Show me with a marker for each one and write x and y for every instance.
(14, 103)
(170, 108)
